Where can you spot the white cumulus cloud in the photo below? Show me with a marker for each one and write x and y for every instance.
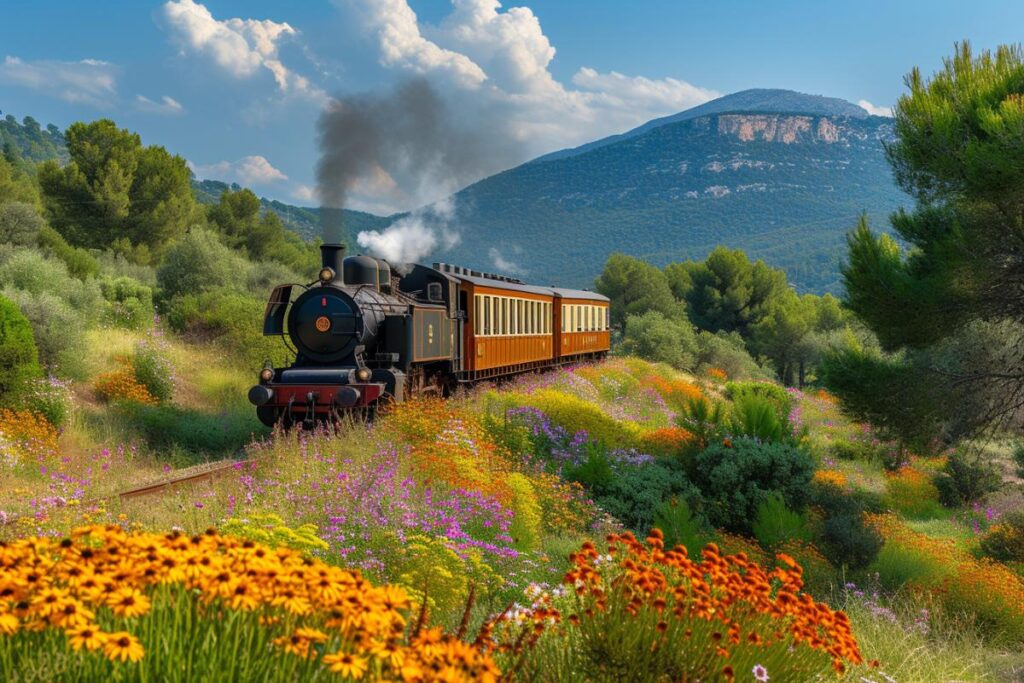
(88, 81)
(493, 64)
(166, 105)
(250, 170)
(241, 47)
(873, 110)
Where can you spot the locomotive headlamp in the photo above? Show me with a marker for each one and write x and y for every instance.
(266, 374)
(326, 275)
(363, 374)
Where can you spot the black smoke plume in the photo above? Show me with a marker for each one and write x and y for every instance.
(427, 146)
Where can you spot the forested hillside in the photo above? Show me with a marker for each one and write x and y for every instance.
(783, 186)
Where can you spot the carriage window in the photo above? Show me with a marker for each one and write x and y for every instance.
(478, 323)
(591, 318)
(487, 315)
(608, 318)
(562, 309)
(530, 319)
(505, 325)
(547, 318)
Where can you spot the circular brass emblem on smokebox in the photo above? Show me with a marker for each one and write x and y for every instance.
(323, 323)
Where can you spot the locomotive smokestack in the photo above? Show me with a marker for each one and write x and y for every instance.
(333, 256)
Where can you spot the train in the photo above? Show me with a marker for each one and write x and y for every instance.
(369, 332)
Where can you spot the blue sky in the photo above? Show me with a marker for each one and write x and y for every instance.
(236, 87)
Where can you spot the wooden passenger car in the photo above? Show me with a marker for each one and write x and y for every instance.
(582, 324)
(509, 327)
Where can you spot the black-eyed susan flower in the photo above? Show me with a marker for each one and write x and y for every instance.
(123, 646)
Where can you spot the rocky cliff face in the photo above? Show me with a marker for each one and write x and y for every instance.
(786, 128)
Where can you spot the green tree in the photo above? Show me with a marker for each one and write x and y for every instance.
(239, 218)
(19, 362)
(636, 287)
(726, 291)
(652, 336)
(957, 152)
(113, 188)
(20, 224)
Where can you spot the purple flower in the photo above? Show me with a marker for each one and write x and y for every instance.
(760, 673)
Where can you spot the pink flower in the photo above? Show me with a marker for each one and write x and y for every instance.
(760, 673)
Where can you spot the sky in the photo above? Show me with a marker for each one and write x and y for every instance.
(237, 88)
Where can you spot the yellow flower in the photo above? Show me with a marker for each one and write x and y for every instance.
(123, 646)
(128, 602)
(8, 624)
(88, 636)
(346, 664)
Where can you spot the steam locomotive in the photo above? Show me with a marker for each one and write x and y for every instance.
(370, 332)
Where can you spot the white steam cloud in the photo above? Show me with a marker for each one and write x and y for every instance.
(412, 237)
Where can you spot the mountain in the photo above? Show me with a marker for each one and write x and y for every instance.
(779, 174)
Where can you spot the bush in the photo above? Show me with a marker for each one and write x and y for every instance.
(680, 526)
(29, 270)
(20, 224)
(78, 261)
(635, 494)
(576, 414)
(776, 524)
(51, 398)
(1004, 542)
(19, 358)
(657, 338)
(770, 391)
(199, 263)
(56, 325)
(232, 319)
(737, 477)
(153, 369)
(966, 479)
(757, 417)
(129, 303)
(848, 541)
(726, 352)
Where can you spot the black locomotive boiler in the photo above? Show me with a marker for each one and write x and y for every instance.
(366, 333)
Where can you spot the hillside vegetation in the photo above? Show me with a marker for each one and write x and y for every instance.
(758, 485)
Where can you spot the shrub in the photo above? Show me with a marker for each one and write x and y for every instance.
(720, 355)
(153, 369)
(79, 262)
(655, 337)
(121, 385)
(680, 526)
(1018, 459)
(232, 319)
(526, 524)
(848, 541)
(774, 393)
(19, 359)
(966, 479)
(635, 494)
(31, 271)
(856, 449)
(756, 416)
(52, 398)
(736, 477)
(20, 224)
(56, 325)
(198, 263)
(777, 524)
(1004, 542)
(129, 303)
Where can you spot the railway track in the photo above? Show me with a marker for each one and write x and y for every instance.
(206, 472)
